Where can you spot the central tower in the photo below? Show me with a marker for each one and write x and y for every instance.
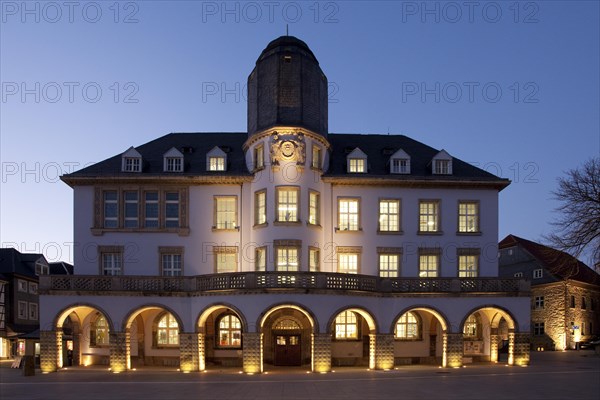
(287, 88)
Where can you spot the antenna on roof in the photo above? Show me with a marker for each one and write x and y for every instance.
(287, 32)
(388, 130)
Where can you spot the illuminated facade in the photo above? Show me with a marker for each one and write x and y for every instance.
(284, 245)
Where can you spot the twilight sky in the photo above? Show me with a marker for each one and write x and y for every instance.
(512, 87)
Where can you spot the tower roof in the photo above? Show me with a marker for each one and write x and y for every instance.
(286, 41)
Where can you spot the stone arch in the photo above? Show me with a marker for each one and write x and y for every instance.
(60, 317)
(206, 311)
(499, 312)
(441, 317)
(362, 311)
(130, 316)
(279, 306)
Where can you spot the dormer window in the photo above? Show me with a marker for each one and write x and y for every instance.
(442, 164)
(357, 161)
(216, 160)
(41, 268)
(173, 161)
(131, 161)
(400, 163)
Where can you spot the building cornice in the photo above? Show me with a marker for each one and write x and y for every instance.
(266, 133)
(140, 179)
(414, 182)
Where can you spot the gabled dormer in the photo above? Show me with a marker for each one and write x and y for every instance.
(173, 161)
(356, 162)
(131, 161)
(400, 162)
(216, 160)
(441, 163)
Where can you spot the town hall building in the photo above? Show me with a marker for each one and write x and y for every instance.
(285, 245)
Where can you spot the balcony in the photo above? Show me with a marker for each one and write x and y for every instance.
(277, 281)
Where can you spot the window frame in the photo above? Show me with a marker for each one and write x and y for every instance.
(33, 288)
(259, 157)
(424, 217)
(260, 208)
(343, 252)
(136, 208)
(173, 164)
(442, 166)
(357, 165)
(168, 329)
(94, 329)
(260, 262)
(339, 227)
(538, 273)
(464, 257)
(539, 329)
(216, 163)
(314, 208)
(314, 260)
(341, 321)
(171, 252)
(416, 326)
(287, 248)
(131, 164)
(290, 189)
(22, 310)
(316, 161)
(427, 253)
(398, 216)
(463, 218)
(538, 302)
(217, 212)
(400, 169)
(22, 286)
(230, 330)
(33, 311)
(116, 253)
(229, 251)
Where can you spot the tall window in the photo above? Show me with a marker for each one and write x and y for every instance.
(151, 209)
(357, 165)
(314, 208)
(260, 207)
(400, 166)
(216, 163)
(470, 328)
(316, 157)
(348, 216)
(429, 265)
(225, 212)
(225, 259)
(346, 325)
(468, 217)
(348, 263)
(287, 204)
(131, 209)
(389, 265)
(538, 329)
(172, 209)
(407, 327)
(260, 259)
(259, 157)
(389, 215)
(468, 265)
(99, 331)
(33, 311)
(429, 215)
(230, 331)
(583, 303)
(538, 303)
(287, 259)
(167, 332)
(572, 301)
(171, 265)
(111, 263)
(313, 259)
(174, 164)
(111, 209)
(22, 309)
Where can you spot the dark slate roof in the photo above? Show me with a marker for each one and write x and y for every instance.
(60, 268)
(14, 262)
(287, 41)
(560, 264)
(379, 149)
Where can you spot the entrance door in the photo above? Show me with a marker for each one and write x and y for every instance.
(287, 350)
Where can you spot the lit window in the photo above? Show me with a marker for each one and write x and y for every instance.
(389, 265)
(167, 333)
(356, 165)
(314, 200)
(468, 217)
(313, 259)
(173, 164)
(260, 207)
(172, 210)
(389, 215)
(470, 329)
(225, 259)
(407, 327)
(111, 263)
(216, 163)
(429, 215)
(287, 204)
(538, 303)
(33, 311)
(316, 157)
(538, 329)
(348, 210)
(348, 263)
(132, 164)
(22, 309)
(468, 266)
(171, 265)
(346, 326)
(230, 331)
(131, 209)
(400, 166)
(226, 212)
(111, 209)
(261, 259)
(259, 157)
(429, 265)
(151, 210)
(287, 259)
(538, 273)
(99, 331)
(442, 167)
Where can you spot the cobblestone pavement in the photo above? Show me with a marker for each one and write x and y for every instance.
(551, 375)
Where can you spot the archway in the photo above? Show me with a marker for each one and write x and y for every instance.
(486, 332)
(353, 332)
(220, 328)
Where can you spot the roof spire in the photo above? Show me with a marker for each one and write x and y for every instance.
(287, 32)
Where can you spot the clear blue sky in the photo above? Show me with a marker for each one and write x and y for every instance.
(510, 86)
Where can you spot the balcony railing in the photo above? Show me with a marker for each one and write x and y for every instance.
(278, 280)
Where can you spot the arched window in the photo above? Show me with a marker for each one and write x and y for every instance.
(99, 331)
(167, 332)
(230, 331)
(470, 329)
(346, 325)
(408, 327)
(286, 324)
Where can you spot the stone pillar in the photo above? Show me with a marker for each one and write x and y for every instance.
(119, 351)
(381, 347)
(453, 350)
(321, 352)
(76, 348)
(521, 350)
(201, 352)
(50, 351)
(188, 352)
(252, 353)
(511, 347)
(494, 343)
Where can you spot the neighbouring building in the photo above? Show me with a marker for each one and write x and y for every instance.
(4, 347)
(565, 293)
(284, 245)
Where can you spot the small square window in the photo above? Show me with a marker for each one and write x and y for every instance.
(22, 286)
(216, 163)
(538, 273)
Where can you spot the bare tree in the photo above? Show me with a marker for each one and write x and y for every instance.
(577, 229)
